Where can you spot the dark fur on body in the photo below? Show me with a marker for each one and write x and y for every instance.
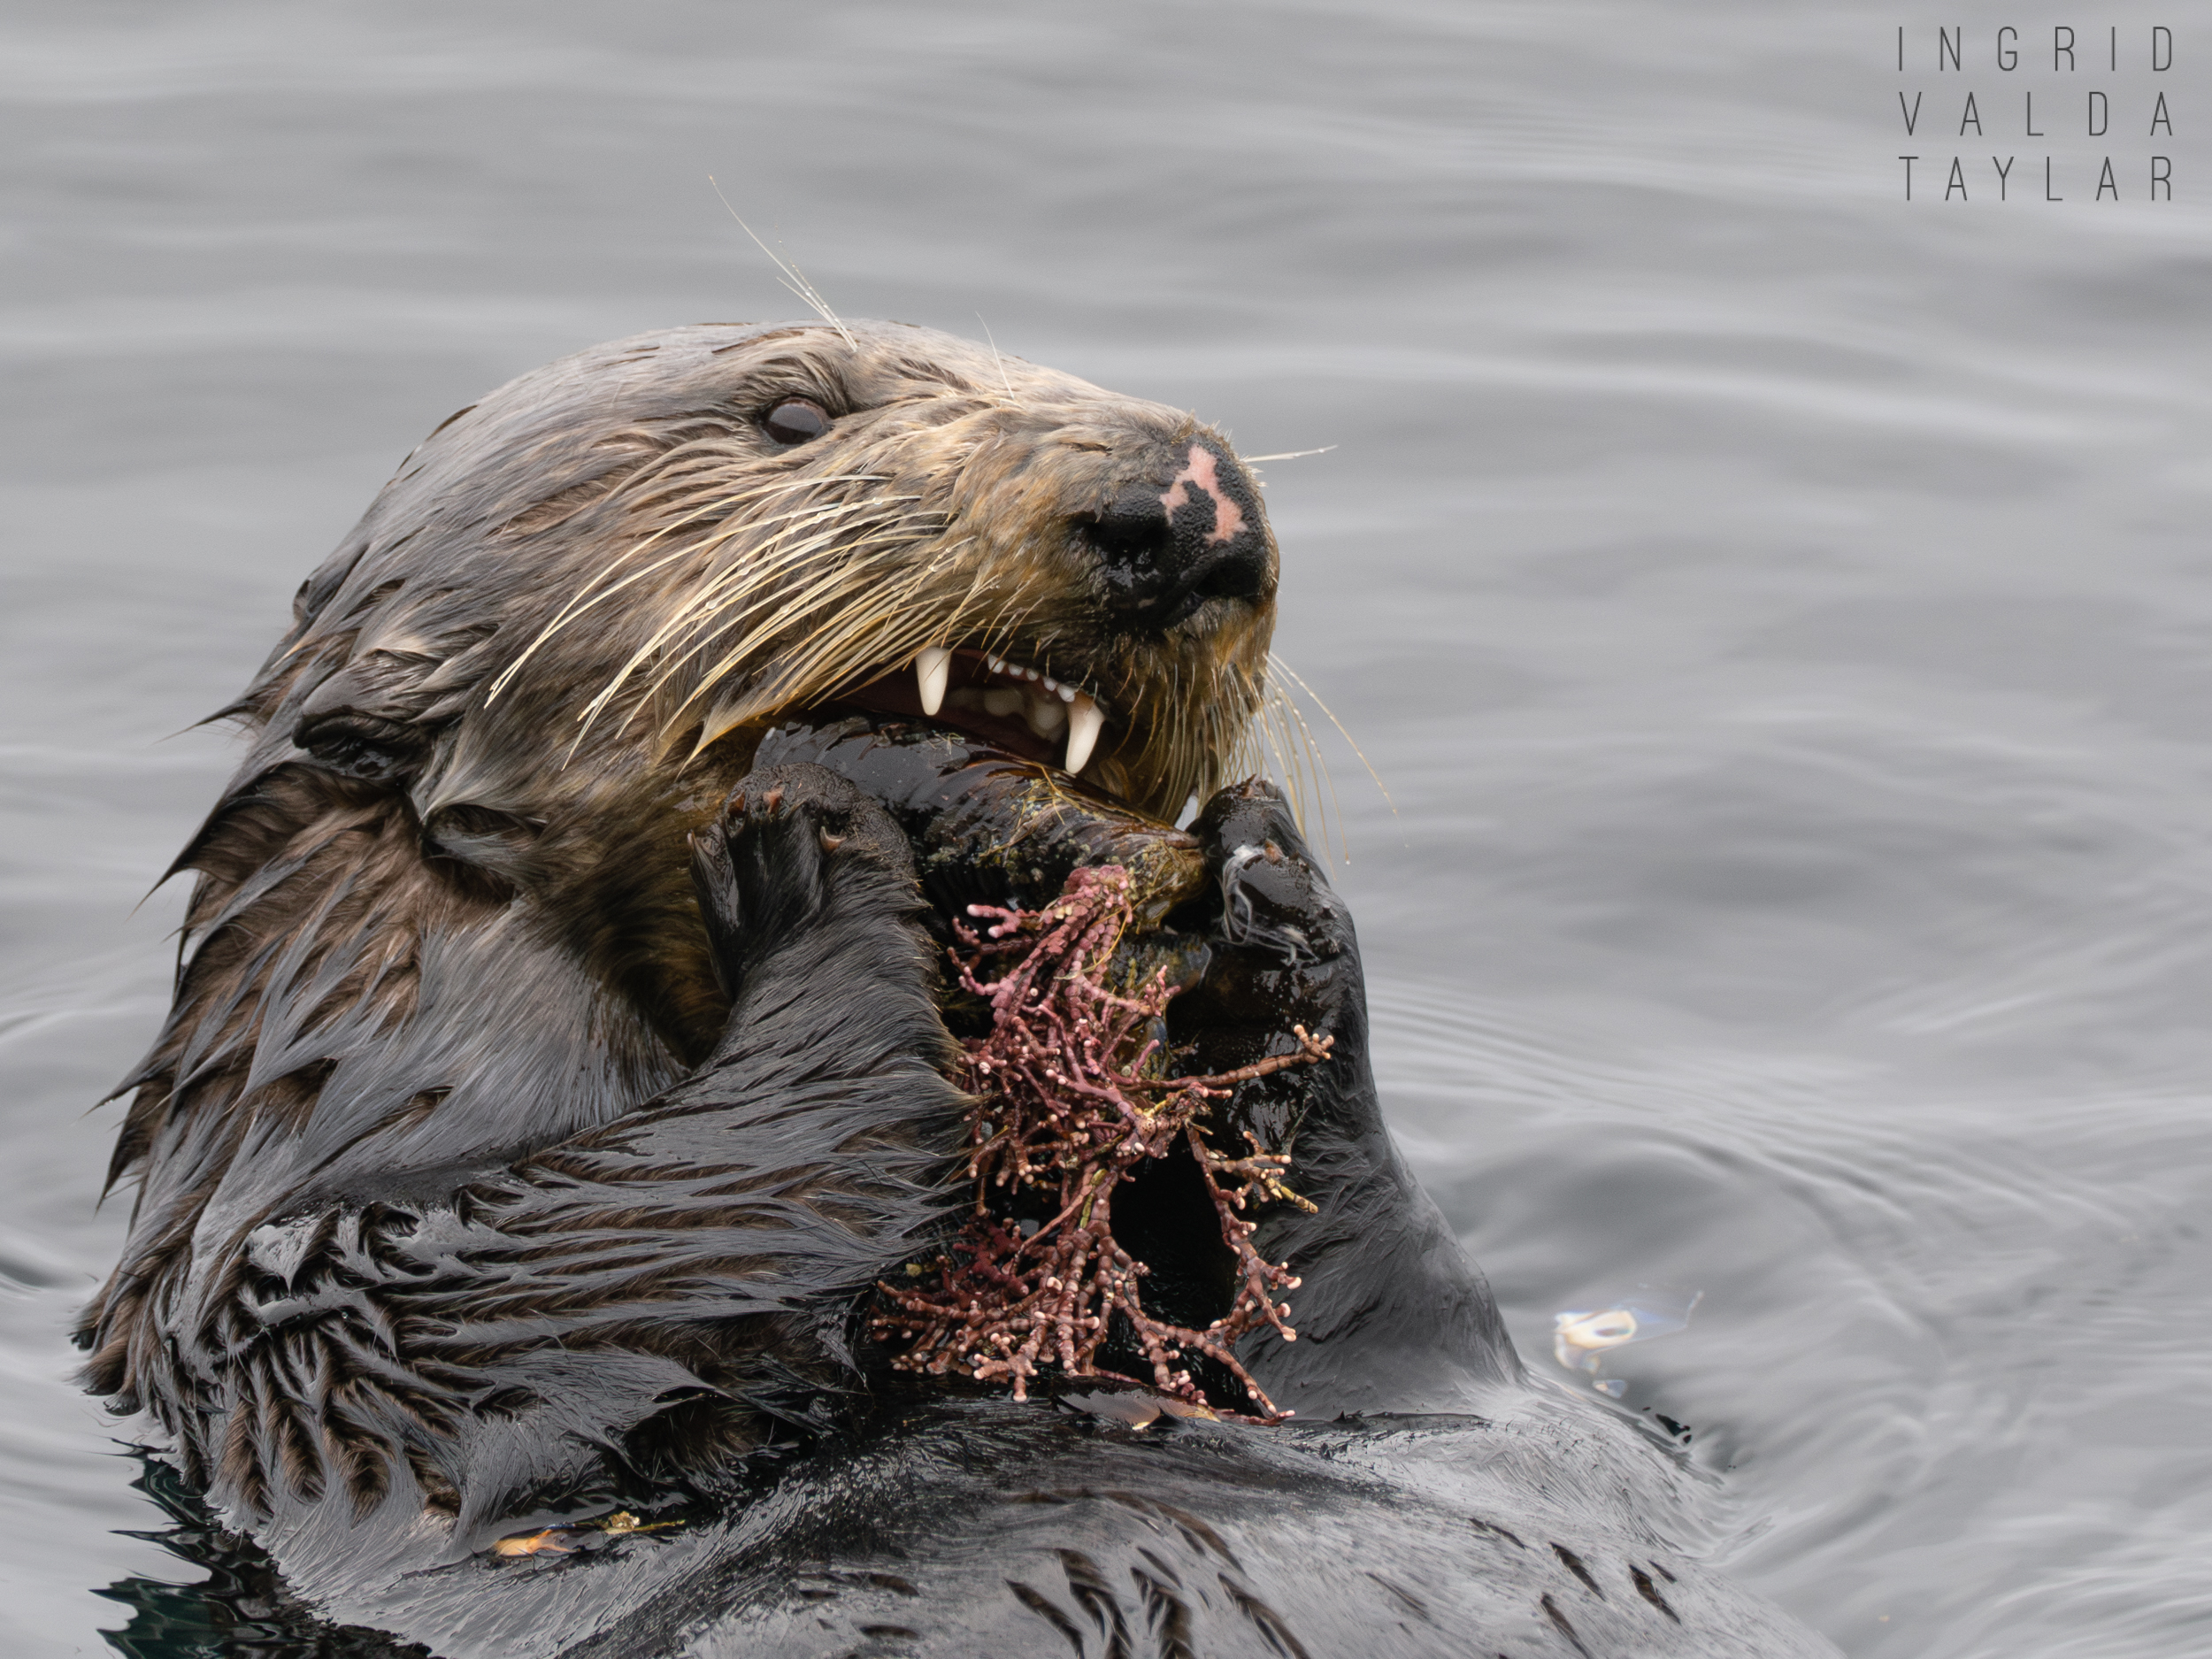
(419, 1371)
(543, 1096)
(1462, 1514)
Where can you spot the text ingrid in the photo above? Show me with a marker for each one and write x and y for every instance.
(2127, 106)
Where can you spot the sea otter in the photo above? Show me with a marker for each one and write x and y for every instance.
(560, 1060)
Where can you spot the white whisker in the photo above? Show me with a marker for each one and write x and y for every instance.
(1279, 663)
(793, 278)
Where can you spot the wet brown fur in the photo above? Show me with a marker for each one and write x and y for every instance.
(444, 927)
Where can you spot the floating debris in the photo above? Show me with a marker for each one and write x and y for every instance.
(575, 1535)
(1138, 1408)
(554, 1540)
(1581, 1336)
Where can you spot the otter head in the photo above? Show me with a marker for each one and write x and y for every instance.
(444, 912)
(910, 522)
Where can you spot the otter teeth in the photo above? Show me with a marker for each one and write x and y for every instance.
(931, 668)
(1044, 714)
(1085, 722)
(1046, 705)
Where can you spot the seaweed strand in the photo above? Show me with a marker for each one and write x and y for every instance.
(1068, 1100)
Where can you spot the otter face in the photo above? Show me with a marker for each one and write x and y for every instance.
(445, 910)
(914, 525)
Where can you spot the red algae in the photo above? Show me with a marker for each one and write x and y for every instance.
(1068, 1102)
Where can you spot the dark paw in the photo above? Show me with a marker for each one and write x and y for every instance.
(1274, 899)
(793, 842)
(1281, 953)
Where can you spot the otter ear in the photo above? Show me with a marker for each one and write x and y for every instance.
(363, 747)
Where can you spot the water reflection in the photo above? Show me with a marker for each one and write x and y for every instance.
(239, 1612)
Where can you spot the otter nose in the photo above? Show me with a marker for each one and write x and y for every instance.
(1164, 552)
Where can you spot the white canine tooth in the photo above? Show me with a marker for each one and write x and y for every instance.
(931, 667)
(1085, 722)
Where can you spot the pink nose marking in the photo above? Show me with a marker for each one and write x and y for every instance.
(1195, 479)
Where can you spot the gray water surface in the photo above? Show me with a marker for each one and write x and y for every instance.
(1781, 616)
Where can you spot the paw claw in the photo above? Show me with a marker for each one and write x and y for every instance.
(764, 873)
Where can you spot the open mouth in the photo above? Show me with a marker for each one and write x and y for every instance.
(1002, 702)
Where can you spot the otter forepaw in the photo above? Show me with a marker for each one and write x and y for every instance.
(1274, 899)
(792, 842)
(1281, 956)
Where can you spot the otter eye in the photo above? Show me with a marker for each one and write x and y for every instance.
(795, 420)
